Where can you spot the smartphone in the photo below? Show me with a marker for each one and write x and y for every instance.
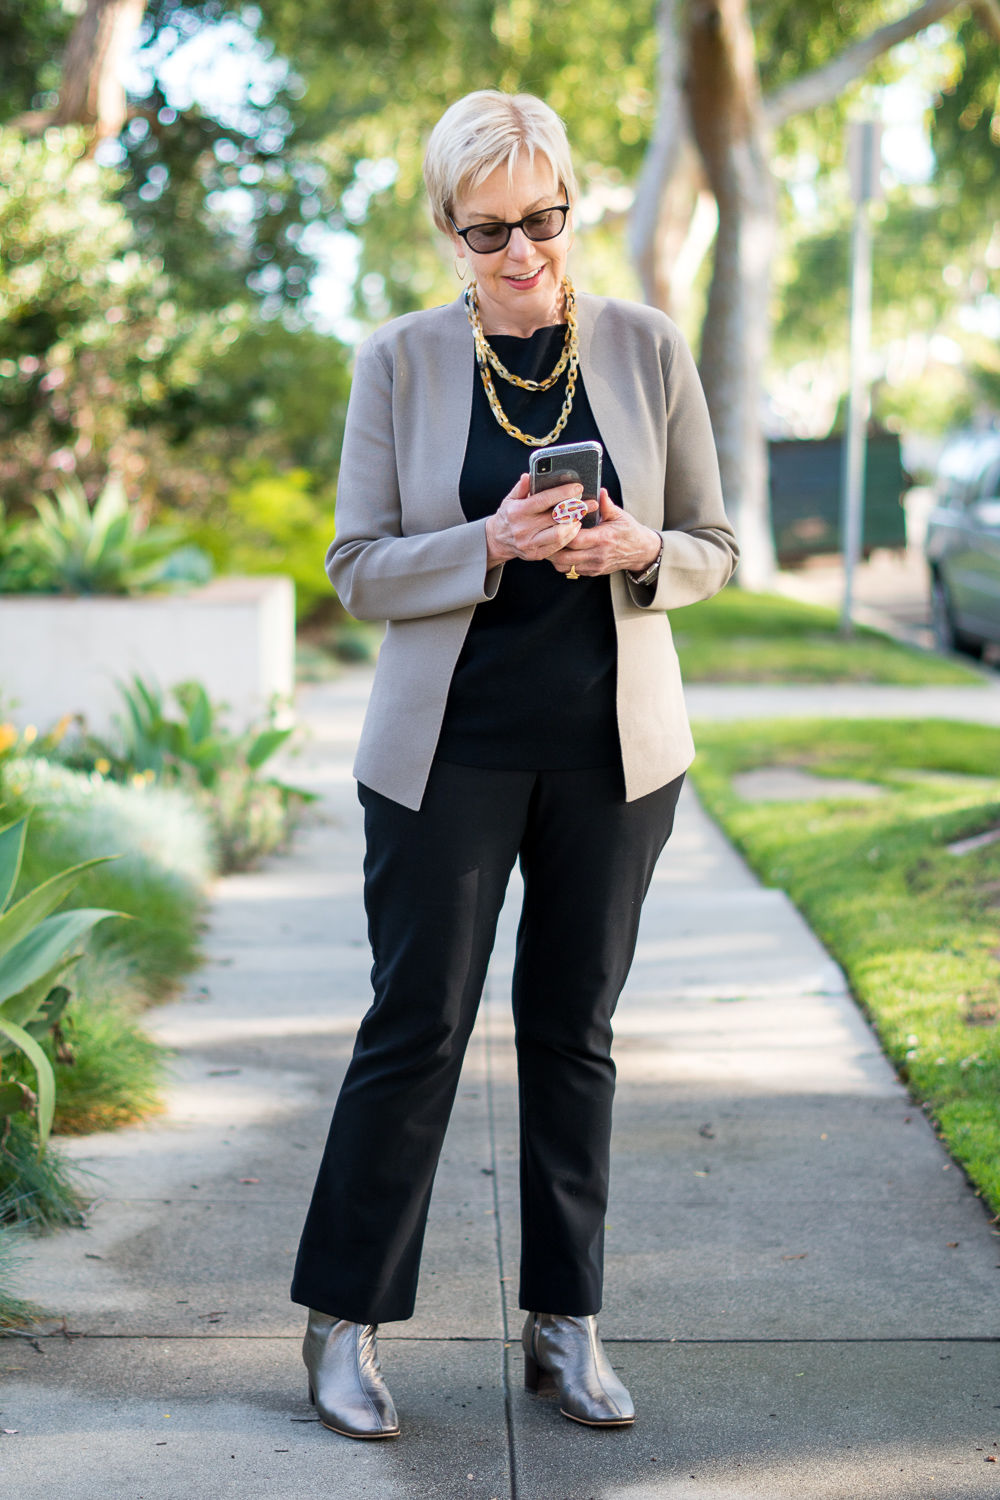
(569, 463)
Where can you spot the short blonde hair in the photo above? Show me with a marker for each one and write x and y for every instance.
(483, 131)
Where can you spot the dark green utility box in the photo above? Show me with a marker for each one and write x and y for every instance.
(805, 495)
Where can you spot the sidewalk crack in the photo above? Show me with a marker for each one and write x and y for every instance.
(498, 1236)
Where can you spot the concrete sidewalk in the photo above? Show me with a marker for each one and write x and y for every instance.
(856, 700)
(801, 1288)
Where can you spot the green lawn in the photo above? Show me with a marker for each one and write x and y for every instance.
(916, 929)
(744, 637)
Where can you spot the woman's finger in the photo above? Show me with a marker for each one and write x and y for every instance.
(520, 491)
(546, 500)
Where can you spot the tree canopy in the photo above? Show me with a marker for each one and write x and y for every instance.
(166, 331)
(150, 296)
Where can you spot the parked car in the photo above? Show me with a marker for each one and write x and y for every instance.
(963, 545)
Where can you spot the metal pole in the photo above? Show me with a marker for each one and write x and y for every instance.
(852, 502)
(864, 155)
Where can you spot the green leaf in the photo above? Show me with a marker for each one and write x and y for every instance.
(150, 696)
(264, 746)
(199, 712)
(175, 738)
(213, 748)
(72, 519)
(146, 550)
(15, 1098)
(197, 708)
(11, 850)
(44, 1073)
(24, 914)
(291, 790)
(28, 1007)
(111, 505)
(41, 950)
(47, 514)
(108, 548)
(143, 741)
(53, 1006)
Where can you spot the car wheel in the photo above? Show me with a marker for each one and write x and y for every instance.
(946, 636)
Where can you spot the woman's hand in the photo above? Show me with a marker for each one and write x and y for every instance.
(523, 526)
(619, 542)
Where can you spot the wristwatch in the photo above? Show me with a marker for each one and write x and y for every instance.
(649, 574)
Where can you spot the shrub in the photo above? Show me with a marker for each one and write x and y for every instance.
(15, 1312)
(69, 548)
(38, 947)
(251, 817)
(190, 746)
(277, 522)
(166, 857)
(108, 1070)
(195, 743)
(15, 569)
(38, 1191)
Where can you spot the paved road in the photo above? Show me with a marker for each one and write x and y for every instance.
(801, 1287)
(891, 591)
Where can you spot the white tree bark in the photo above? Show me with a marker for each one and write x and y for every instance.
(671, 175)
(92, 92)
(824, 84)
(727, 121)
(709, 96)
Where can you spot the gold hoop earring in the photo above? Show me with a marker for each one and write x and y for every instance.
(465, 266)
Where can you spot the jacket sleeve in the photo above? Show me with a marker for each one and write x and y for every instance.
(699, 548)
(379, 571)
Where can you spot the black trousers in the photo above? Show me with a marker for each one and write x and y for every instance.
(434, 885)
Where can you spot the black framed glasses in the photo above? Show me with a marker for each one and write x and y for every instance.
(543, 224)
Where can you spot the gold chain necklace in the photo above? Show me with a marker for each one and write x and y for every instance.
(568, 360)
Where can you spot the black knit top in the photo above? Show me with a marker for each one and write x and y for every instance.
(534, 687)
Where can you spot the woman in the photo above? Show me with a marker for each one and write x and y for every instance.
(527, 706)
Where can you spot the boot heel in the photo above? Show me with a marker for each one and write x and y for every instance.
(312, 1395)
(536, 1378)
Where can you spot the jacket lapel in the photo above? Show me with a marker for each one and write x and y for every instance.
(447, 376)
(601, 364)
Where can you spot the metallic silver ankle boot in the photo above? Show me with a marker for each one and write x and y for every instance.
(345, 1381)
(567, 1354)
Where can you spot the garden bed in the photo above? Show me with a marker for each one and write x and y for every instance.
(106, 853)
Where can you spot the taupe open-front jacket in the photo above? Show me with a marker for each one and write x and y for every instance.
(405, 553)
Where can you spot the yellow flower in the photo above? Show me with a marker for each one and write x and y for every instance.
(139, 779)
(8, 737)
(59, 730)
(30, 734)
(150, 776)
(102, 766)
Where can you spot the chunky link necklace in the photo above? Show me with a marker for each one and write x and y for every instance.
(568, 360)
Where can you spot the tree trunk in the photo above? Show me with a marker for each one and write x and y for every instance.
(728, 126)
(92, 93)
(671, 175)
(667, 230)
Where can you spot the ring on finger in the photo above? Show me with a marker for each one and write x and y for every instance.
(569, 510)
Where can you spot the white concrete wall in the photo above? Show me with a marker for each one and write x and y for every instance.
(62, 655)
